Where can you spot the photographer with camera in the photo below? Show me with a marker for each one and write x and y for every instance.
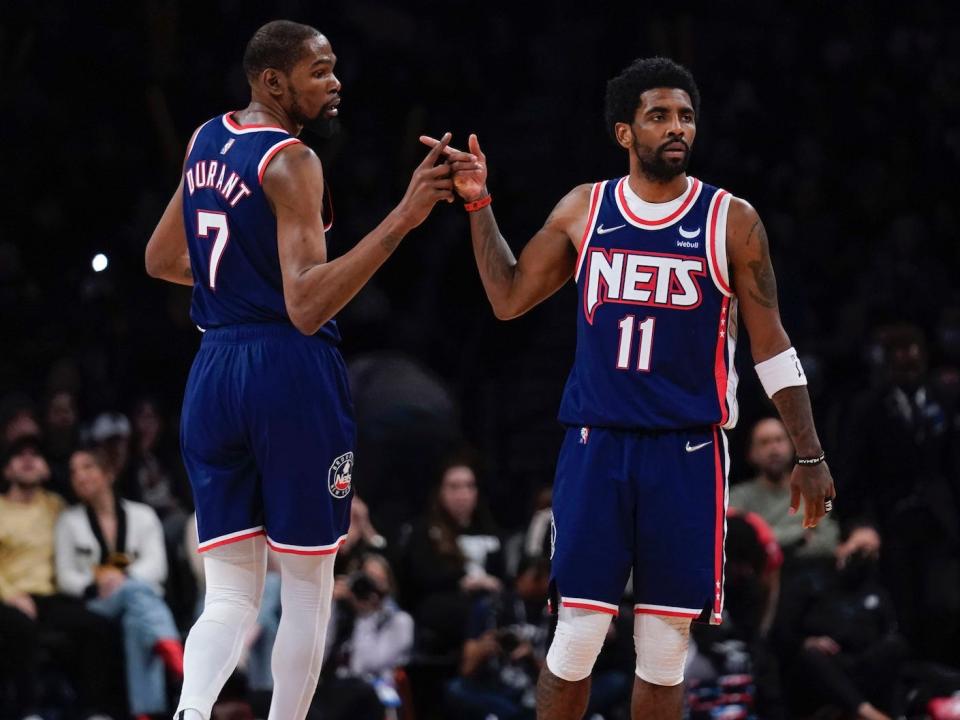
(505, 648)
(368, 639)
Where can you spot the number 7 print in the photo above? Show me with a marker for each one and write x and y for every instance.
(212, 220)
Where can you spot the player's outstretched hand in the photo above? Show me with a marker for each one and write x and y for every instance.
(815, 485)
(469, 168)
(430, 183)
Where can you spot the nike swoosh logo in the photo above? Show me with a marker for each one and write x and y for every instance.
(689, 234)
(694, 448)
(603, 231)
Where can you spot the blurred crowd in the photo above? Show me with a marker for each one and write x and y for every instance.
(838, 123)
(443, 612)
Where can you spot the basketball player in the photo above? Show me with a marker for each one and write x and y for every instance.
(267, 429)
(664, 263)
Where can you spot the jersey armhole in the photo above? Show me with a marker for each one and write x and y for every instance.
(271, 153)
(596, 197)
(716, 241)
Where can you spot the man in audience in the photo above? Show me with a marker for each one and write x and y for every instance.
(30, 606)
(771, 453)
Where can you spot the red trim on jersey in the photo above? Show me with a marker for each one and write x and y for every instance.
(684, 206)
(591, 218)
(667, 613)
(237, 126)
(719, 526)
(720, 370)
(232, 540)
(265, 162)
(713, 241)
(294, 551)
(589, 606)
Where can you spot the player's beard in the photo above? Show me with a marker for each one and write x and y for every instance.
(321, 125)
(655, 165)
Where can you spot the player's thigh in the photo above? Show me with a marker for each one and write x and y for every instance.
(304, 440)
(680, 523)
(592, 520)
(213, 438)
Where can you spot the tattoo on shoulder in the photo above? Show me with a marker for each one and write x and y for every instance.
(765, 292)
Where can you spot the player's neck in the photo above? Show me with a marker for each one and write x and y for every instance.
(259, 112)
(655, 191)
(103, 504)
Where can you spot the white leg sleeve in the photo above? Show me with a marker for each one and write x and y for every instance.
(306, 589)
(234, 576)
(577, 642)
(661, 643)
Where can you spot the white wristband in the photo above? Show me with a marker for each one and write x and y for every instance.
(780, 371)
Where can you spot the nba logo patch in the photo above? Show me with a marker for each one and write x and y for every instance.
(584, 435)
(340, 476)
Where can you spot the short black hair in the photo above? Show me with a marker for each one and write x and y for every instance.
(278, 45)
(624, 91)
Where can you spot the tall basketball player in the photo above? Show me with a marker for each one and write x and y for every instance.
(267, 429)
(664, 263)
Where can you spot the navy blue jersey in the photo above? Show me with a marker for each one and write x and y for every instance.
(231, 229)
(657, 321)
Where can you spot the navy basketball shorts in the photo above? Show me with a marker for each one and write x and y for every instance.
(651, 502)
(267, 433)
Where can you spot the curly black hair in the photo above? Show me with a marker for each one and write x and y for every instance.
(624, 91)
(278, 45)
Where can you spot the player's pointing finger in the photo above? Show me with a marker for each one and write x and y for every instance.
(434, 154)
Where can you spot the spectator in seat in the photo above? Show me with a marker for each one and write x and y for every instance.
(839, 635)
(30, 605)
(771, 454)
(452, 555)
(111, 552)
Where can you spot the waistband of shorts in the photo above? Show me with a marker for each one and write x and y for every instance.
(646, 432)
(260, 332)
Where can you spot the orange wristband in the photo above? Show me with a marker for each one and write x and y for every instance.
(478, 204)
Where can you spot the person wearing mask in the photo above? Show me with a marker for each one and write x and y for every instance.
(110, 551)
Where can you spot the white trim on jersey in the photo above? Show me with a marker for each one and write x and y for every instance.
(306, 549)
(596, 200)
(271, 151)
(237, 129)
(716, 241)
(678, 207)
(733, 324)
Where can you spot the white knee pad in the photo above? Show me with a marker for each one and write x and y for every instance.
(661, 643)
(577, 642)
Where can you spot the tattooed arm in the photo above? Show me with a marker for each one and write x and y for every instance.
(756, 288)
(513, 286)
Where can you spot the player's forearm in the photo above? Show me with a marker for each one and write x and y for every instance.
(793, 404)
(321, 290)
(175, 271)
(495, 261)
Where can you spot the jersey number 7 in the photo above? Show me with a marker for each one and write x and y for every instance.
(208, 220)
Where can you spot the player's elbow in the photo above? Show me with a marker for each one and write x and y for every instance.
(308, 319)
(506, 311)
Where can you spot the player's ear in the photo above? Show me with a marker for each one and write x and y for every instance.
(624, 135)
(274, 82)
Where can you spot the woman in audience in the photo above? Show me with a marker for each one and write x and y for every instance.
(111, 551)
(452, 555)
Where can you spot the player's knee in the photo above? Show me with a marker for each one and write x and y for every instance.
(661, 643)
(577, 643)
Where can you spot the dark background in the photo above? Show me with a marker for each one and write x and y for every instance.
(837, 121)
